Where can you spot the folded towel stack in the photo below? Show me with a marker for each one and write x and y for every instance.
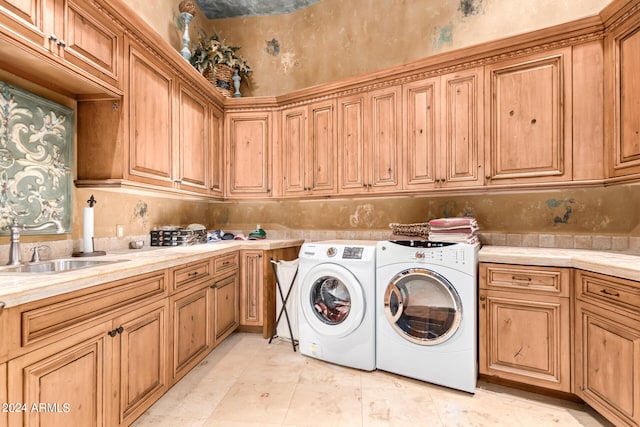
(454, 230)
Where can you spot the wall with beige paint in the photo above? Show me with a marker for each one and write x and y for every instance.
(593, 211)
(334, 39)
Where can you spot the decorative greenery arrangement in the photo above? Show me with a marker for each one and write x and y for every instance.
(210, 51)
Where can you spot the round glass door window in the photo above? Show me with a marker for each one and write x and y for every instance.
(330, 300)
(422, 306)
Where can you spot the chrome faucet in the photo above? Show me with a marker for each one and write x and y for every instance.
(16, 227)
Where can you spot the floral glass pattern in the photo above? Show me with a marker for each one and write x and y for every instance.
(36, 159)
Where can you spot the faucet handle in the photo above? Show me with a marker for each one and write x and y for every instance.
(36, 254)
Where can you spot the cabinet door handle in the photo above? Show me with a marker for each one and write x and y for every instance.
(62, 44)
(113, 333)
(2, 304)
(53, 37)
(214, 286)
(120, 330)
(613, 294)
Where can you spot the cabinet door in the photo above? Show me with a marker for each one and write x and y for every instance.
(294, 151)
(70, 377)
(249, 161)
(251, 295)
(150, 101)
(351, 142)
(25, 18)
(140, 366)
(462, 136)
(525, 338)
(193, 141)
(384, 146)
(529, 119)
(89, 40)
(421, 127)
(608, 363)
(227, 307)
(191, 335)
(3, 394)
(321, 160)
(216, 151)
(622, 92)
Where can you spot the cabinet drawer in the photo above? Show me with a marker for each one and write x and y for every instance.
(544, 280)
(53, 316)
(596, 287)
(190, 274)
(225, 263)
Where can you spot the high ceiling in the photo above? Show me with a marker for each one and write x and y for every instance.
(218, 9)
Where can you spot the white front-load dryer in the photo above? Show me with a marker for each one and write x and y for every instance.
(336, 297)
(426, 301)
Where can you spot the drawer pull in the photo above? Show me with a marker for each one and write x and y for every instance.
(521, 278)
(225, 263)
(195, 273)
(613, 294)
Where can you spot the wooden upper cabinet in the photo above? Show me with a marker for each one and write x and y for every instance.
(321, 162)
(91, 41)
(369, 135)
(308, 156)
(25, 18)
(462, 128)
(528, 113)
(78, 33)
(385, 139)
(248, 161)
(150, 114)
(443, 139)
(193, 140)
(216, 151)
(351, 143)
(421, 133)
(293, 159)
(622, 97)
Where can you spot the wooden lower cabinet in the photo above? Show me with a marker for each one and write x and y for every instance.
(258, 288)
(191, 313)
(251, 291)
(525, 325)
(65, 384)
(3, 394)
(607, 344)
(227, 307)
(140, 360)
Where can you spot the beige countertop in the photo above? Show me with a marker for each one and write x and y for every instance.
(617, 264)
(20, 288)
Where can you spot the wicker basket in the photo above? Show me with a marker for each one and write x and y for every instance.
(221, 78)
(420, 229)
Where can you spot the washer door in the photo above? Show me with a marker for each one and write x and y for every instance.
(422, 306)
(332, 300)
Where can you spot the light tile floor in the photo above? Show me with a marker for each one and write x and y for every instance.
(247, 382)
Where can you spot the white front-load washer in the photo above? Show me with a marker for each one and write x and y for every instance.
(426, 302)
(336, 296)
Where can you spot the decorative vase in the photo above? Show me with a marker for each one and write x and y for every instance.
(186, 19)
(236, 83)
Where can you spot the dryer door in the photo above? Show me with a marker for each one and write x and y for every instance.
(422, 306)
(332, 300)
